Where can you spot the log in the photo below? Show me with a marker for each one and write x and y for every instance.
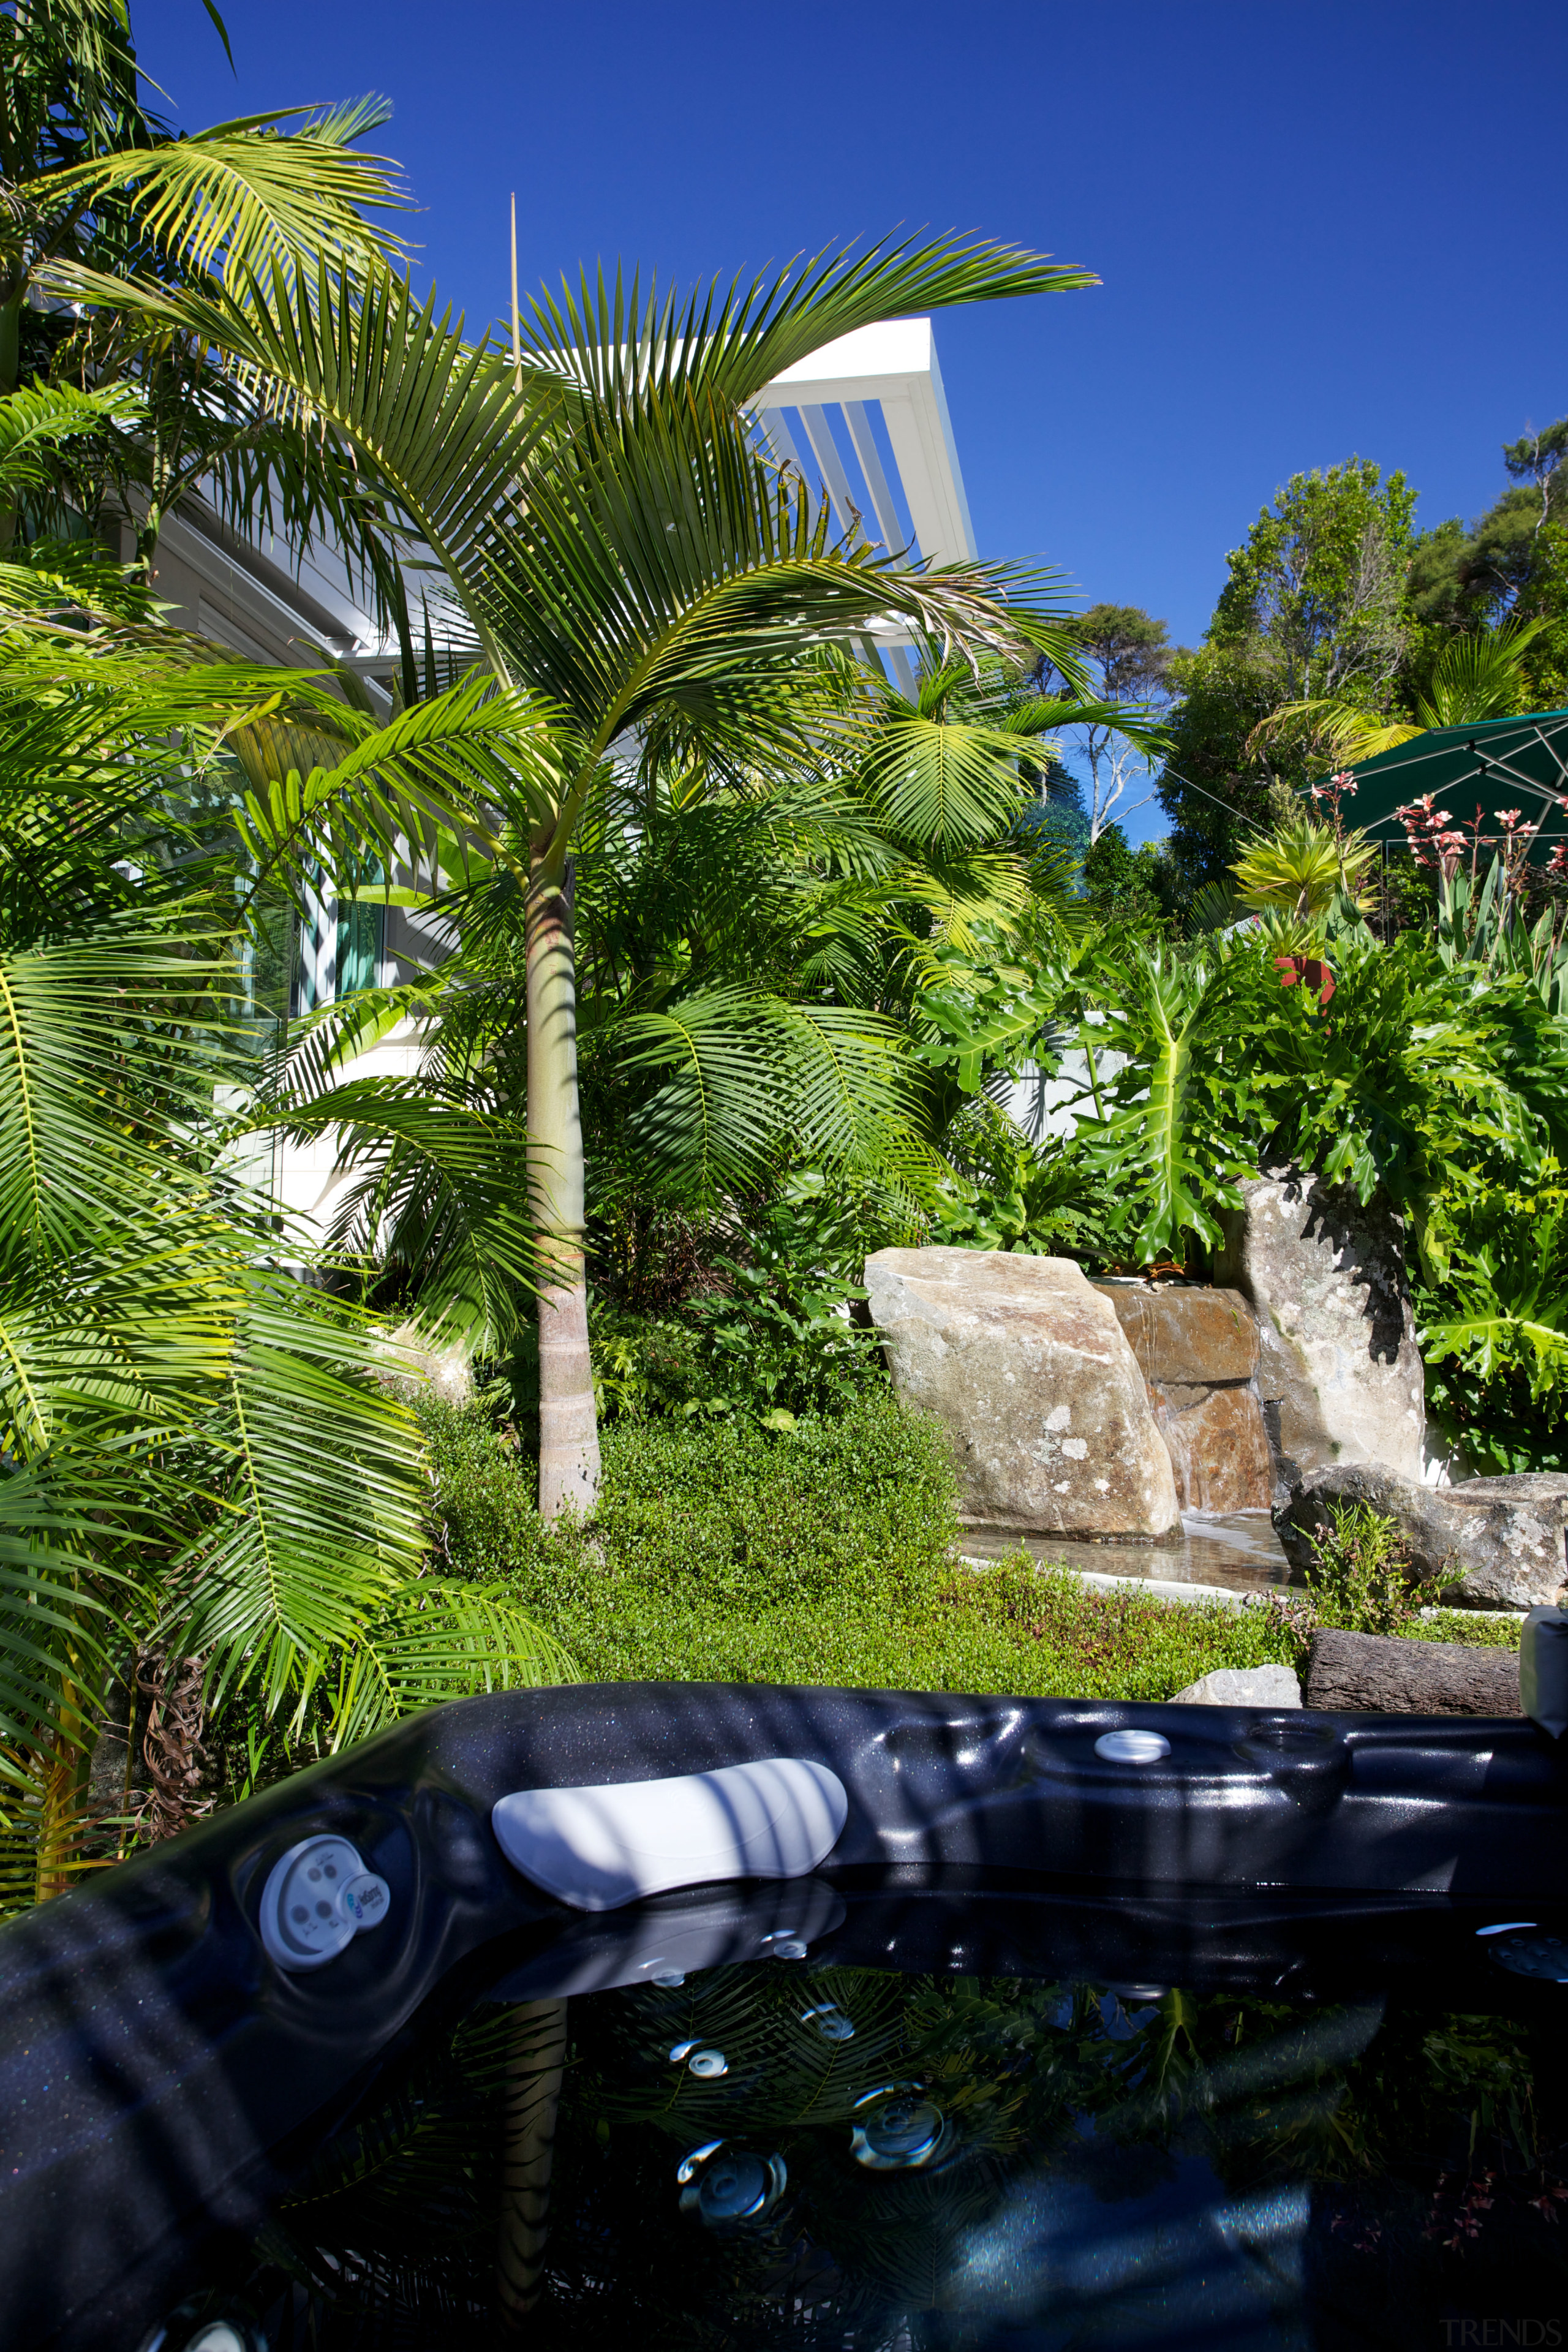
(1384, 1675)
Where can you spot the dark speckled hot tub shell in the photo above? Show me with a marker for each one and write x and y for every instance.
(159, 2076)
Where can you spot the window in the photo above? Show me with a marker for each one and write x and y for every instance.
(342, 947)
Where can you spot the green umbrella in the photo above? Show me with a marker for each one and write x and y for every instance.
(1493, 763)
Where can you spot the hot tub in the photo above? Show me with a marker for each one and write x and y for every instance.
(1060, 2021)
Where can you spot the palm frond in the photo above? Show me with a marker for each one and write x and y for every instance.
(440, 420)
(247, 195)
(318, 1479)
(729, 343)
(1336, 730)
(92, 1068)
(38, 420)
(435, 1197)
(743, 1076)
(57, 1619)
(948, 787)
(1480, 676)
(436, 1639)
(327, 782)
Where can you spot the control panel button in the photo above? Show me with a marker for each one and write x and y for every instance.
(318, 1897)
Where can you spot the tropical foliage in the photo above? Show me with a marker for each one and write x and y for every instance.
(633, 693)
(203, 1457)
(1342, 630)
(755, 957)
(619, 551)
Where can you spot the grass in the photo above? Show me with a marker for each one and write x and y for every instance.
(1464, 1625)
(726, 1552)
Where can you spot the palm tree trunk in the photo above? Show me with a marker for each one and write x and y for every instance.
(535, 2074)
(63, 1777)
(568, 1422)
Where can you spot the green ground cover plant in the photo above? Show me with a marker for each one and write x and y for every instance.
(830, 1552)
(1361, 1577)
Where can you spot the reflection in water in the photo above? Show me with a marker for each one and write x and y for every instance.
(760, 2157)
(899, 2131)
(1189, 2261)
(729, 2187)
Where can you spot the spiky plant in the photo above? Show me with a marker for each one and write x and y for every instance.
(1302, 868)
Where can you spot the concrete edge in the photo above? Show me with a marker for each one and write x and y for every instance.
(1161, 1588)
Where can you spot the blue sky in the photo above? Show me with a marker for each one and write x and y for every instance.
(1323, 229)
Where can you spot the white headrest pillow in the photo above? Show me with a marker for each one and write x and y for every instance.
(598, 1848)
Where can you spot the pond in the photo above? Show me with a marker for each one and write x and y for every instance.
(1236, 1551)
(950, 2117)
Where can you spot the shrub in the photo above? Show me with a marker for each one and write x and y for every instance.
(756, 1349)
(1360, 1579)
(728, 1517)
(825, 1554)
(821, 1554)
(757, 1315)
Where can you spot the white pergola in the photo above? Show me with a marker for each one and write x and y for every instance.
(836, 413)
(866, 421)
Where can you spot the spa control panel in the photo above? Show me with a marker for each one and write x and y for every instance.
(318, 1897)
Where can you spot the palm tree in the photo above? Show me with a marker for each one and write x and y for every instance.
(92, 177)
(756, 954)
(199, 1454)
(1476, 677)
(626, 558)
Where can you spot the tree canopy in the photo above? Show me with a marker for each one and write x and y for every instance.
(1341, 624)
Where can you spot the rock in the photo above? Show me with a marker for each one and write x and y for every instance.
(1496, 1543)
(1180, 1332)
(1218, 1446)
(1383, 1674)
(1340, 1374)
(1198, 1352)
(1027, 1366)
(1242, 1686)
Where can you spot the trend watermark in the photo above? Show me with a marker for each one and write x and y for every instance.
(1501, 2335)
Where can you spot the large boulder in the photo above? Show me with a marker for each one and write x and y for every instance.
(1495, 1543)
(1339, 1367)
(1027, 1366)
(1198, 1352)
